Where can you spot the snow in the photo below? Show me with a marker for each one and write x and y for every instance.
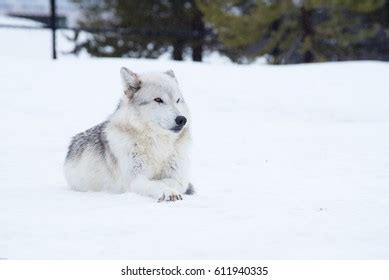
(289, 162)
(34, 43)
(15, 21)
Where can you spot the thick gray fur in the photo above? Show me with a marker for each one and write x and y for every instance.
(93, 138)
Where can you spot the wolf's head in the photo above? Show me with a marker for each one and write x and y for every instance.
(156, 101)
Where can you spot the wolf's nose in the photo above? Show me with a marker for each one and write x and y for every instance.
(180, 120)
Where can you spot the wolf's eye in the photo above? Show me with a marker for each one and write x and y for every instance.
(178, 100)
(158, 100)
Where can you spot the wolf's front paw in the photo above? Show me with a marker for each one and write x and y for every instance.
(170, 195)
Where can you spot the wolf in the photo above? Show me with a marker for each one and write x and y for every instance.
(143, 147)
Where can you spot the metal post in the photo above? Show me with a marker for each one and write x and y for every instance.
(53, 25)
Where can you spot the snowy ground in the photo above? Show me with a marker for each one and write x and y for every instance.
(289, 162)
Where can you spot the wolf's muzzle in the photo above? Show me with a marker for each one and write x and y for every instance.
(180, 121)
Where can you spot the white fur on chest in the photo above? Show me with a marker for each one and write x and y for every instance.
(157, 156)
(138, 153)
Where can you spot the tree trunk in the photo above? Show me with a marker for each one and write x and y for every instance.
(197, 53)
(306, 21)
(178, 49)
(178, 11)
(198, 31)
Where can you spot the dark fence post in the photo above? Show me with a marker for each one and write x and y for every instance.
(53, 26)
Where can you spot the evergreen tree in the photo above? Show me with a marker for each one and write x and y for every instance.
(377, 46)
(291, 31)
(143, 28)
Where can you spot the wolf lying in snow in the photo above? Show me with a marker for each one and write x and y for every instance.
(142, 147)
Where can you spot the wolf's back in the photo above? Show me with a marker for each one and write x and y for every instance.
(93, 138)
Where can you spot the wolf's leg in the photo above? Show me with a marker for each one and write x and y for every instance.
(175, 184)
(182, 188)
(155, 189)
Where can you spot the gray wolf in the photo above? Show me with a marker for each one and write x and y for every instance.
(142, 147)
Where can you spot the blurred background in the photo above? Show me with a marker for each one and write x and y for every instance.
(241, 31)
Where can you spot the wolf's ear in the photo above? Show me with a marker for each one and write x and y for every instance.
(130, 80)
(170, 73)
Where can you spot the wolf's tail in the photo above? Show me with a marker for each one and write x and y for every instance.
(190, 190)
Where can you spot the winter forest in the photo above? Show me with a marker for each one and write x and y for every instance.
(282, 31)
